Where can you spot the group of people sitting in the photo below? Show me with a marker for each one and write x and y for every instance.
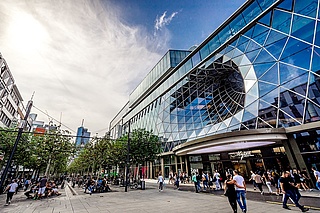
(42, 188)
(99, 185)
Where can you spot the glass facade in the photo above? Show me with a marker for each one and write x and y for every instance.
(259, 70)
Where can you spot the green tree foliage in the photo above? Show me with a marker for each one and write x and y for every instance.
(35, 151)
(103, 152)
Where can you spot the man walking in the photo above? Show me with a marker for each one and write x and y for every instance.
(11, 190)
(160, 182)
(42, 186)
(289, 190)
(240, 190)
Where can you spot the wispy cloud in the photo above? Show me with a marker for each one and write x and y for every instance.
(77, 55)
(162, 21)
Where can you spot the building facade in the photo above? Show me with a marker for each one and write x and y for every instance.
(11, 108)
(246, 98)
(83, 136)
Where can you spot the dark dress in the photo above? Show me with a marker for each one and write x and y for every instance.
(232, 196)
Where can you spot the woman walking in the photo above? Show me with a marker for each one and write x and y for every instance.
(230, 192)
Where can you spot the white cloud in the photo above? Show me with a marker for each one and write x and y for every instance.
(77, 55)
(163, 20)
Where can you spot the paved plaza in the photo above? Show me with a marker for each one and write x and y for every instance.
(149, 200)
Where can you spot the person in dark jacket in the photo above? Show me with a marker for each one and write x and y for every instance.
(230, 192)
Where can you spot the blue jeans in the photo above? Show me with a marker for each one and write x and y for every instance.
(318, 185)
(242, 194)
(293, 195)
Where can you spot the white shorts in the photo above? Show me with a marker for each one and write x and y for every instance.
(41, 190)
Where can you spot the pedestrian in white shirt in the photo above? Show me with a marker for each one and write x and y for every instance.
(160, 181)
(240, 190)
(11, 188)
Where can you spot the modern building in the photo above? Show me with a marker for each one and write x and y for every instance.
(246, 98)
(11, 108)
(83, 136)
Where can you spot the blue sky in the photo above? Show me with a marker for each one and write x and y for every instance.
(193, 22)
(83, 58)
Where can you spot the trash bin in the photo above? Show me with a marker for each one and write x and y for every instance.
(143, 185)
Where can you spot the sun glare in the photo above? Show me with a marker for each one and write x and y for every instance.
(26, 33)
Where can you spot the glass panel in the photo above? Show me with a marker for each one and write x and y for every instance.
(306, 7)
(264, 4)
(276, 48)
(303, 28)
(264, 57)
(288, 73)
(301, 59)
(214, 43)
(314, 88)
(272, 97)
(271, 75)
(274, 37)
(297, 53)
(281, 21)
(286, 120)
(258, 30)
(298, 85)
(251, 12)
(290, 100)
(287, 5)
(237, 24)
(261, 38)
(225, 34)
(204, 52)
(264, 88)
(316, 60)
(312, 112)
(261, 68)
(196, 59)
(317, 41)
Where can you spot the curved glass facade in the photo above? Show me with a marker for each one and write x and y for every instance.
(260, 69)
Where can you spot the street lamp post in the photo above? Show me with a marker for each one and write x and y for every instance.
(22, 126)
(128, 157)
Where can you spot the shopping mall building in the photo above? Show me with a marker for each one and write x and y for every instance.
(246, 98)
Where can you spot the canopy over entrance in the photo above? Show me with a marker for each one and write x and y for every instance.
(232, 141)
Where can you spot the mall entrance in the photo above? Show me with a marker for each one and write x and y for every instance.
(268, 158)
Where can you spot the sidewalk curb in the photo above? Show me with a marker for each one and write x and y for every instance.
(71, 189)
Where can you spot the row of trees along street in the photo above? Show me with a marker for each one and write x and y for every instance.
(38, 153)
(103, 153)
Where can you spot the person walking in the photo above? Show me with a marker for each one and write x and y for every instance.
(253, 180)
(26, 184)
(268, 178)
(317, 176)
(42, 186)
(11, 188)
(230, 192)
(160, 182)
(289, 190)
(177, 180)
(216, 178)
(240, 190)
(259, 182)
(195, 182)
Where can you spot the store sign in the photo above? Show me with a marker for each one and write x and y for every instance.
(197, 158)
(240, 154)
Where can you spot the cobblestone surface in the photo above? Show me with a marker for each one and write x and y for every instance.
(149, 200)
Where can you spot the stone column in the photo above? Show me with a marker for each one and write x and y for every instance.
(176, 163)
(297, 153)
(289, 153)
(162, 166)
